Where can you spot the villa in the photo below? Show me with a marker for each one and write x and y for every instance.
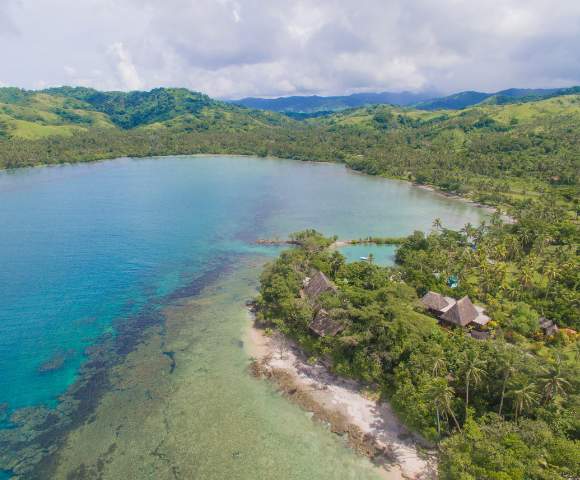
(460, 313)
(324, 325)
(317, 285)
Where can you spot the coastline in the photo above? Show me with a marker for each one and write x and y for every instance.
(430, 188)
(371, 426)
(180, 404)
(98, 376)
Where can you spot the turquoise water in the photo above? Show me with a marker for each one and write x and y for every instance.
(85, 247)
(382, 254)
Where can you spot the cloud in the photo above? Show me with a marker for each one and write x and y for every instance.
(234, 48)
(126, 70)
(7, 25)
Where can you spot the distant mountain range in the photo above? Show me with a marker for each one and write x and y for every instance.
(315, 103)
(308, 106)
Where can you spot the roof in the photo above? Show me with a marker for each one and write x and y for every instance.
(551, 330)
(434, 301)
(317, 285)
(545, 323)
(462, 313)
(548, 326)
(481, 319)
(324, 325)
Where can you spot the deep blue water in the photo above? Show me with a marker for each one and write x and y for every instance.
(84, 246)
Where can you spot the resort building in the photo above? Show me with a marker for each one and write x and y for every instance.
(461, 313)
(324, 325)
(317, 285)
(437, 303)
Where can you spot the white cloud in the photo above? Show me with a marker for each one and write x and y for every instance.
(125, 68)
(233, 48)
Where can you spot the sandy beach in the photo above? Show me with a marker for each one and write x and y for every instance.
(372, 427)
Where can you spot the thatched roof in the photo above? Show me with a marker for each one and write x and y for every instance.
(434, 301)
(324, 325)
(462, 313)
(548, 326)
(482, 319)
(317, 285)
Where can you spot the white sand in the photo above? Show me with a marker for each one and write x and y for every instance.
(345, 396)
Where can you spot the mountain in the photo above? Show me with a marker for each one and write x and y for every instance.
(314, 104)
(64, 111)
(462, 100)
(302, 107)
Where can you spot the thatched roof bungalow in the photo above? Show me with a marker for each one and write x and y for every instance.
(437, 303)
(324, 325)
(462, 313)
(317, 285)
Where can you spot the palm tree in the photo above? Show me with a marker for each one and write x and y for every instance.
(554, 382)
(509, 371)
(438, 366)
(469, 230)
(474, 373)
(442, 396)
(552, 272)
(437, 225)
(526, 276)
(524, 398)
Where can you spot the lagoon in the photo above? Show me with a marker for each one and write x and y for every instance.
(123, 285)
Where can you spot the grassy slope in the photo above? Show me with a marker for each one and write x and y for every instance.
(65, 111)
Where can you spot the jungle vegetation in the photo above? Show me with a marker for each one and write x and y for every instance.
(503, 408)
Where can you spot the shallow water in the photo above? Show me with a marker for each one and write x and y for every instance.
(86, 248)
(382, 254)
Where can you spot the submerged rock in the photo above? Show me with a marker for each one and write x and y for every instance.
(56, 362)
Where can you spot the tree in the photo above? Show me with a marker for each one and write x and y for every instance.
(442, 396)
(474, 373)
(507, 359)
(437, 225)
(524, 398)
(554, 383)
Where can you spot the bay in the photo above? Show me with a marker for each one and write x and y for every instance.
(86, 249)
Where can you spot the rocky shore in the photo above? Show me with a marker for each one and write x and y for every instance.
(371, 427)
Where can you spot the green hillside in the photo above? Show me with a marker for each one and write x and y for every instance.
(497, 154)
(65, 111)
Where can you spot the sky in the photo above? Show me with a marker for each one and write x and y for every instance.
(238, 48)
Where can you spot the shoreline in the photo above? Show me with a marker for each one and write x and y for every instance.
(430, 188)
(371, 427)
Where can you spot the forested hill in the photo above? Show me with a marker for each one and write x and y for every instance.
(493, 153)
(67, 110)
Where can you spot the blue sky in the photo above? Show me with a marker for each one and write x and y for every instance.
(236, 48)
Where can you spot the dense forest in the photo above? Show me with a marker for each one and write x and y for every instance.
(501, 408)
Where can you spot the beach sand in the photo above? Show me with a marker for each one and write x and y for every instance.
(372, 427)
